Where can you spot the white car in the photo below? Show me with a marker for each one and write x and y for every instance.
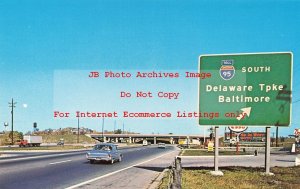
(145, 143)
(161, 145)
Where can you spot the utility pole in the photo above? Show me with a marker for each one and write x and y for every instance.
(123, 129)
(204, 129)
(103, 129)
(230, 136)
(277, 136)
(115, 126)
(12, 106)
(78, 129)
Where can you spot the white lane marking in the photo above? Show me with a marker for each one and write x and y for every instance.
(112, 173)
(60, 162)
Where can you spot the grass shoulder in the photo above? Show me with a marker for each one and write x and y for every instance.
(240, 177)
(202, 152)
(165, 181)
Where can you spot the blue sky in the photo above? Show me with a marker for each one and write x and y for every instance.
(40, 39)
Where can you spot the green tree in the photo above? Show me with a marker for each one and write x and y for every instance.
(17, 136)
(119, 131)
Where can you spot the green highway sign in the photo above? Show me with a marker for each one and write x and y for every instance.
(252, 89)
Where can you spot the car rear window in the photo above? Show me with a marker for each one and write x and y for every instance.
(103, 147)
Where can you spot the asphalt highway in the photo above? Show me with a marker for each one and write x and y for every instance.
(65, 169)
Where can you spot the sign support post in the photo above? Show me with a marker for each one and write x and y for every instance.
(216, 157)
(267, 152)
(237, 143)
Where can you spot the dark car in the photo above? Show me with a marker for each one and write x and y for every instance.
(104, 152)
(61, 142)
